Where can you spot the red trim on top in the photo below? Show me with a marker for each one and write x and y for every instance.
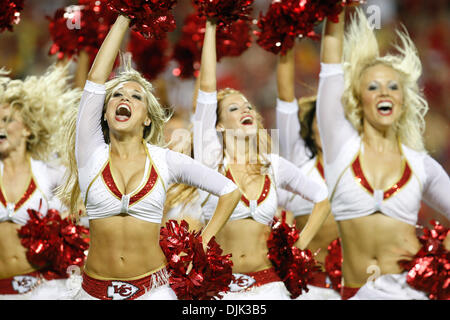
(403, 180)
(319, 167)
(264, 192)
(359, 174)
(147, 188)
(2, 198)
(31, 188)
(107, 177)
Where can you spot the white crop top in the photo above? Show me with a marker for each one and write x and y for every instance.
(351, 195)
(39, 194)
(294, 149)
(163, 167)
(280, 174)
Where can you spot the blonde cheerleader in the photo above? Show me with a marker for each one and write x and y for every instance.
(371, 121)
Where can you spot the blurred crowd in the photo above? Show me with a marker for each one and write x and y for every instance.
(25, 51)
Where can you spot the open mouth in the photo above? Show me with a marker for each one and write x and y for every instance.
(247, 120)
(123, 112)
(3, 137)
(385, 107)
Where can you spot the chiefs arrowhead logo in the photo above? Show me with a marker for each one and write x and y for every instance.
(119, 290)
(23, 284)
(241, 282)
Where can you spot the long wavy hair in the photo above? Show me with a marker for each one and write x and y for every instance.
(153, 134)
(179, 193)
(42, 102)
(360, 53)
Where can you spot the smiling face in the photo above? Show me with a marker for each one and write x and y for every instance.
(126, 110)
(381, 96)
(237, 114)
(13, 132)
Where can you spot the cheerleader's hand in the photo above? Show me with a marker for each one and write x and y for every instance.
(191, 265)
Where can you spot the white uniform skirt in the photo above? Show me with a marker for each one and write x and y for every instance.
(389, 287)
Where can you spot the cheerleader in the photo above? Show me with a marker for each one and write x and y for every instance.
(258, 176)
(122, 174)
(183, 202)
(371, 118)
(300, 143)
(30, 113)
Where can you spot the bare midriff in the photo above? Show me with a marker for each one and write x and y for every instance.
(13, 259)
(246, 240)
(373, 245)
(123, 247)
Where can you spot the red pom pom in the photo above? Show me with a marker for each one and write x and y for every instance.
(287, 20)
(211, 272)
(53, 243)
(283, 22)
(10, 13)
(333, 264)
(150, 55)
(231, 40)
(294, 266)
(187, 51)
(429, 269)
(224, 11)
(80, 27)
(151, 18)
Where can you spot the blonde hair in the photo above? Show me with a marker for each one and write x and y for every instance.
(42, 102)
(4, 79)
(178, 193)
(153, 134)
(264, 141)
(360, 53)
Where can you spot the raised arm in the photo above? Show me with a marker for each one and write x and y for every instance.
(82, 69)
(292, 146)
(206, 144)
(334, 128)
(208, 59)
(286, 76)
(333, 40)
(104, 60)
(89, 134)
